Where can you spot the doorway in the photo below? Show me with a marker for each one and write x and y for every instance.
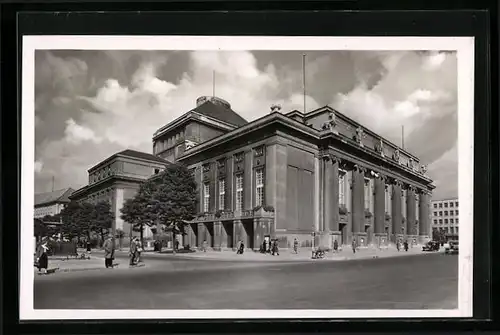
(343, 233)
(228, 227)
(248, 226)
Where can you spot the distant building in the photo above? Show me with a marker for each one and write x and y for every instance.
(445, 215)
(117, 179)
(51, 203)
(293, 175)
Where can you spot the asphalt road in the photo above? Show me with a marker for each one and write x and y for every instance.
(410, 282)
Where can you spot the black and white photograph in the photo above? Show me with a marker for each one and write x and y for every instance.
(270, 177)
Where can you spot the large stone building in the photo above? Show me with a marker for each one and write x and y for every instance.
(117, 179)
(51, 203)
(295, 175)
(445, 214)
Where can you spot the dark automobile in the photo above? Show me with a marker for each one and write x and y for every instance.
(451, 247)
(431, 246)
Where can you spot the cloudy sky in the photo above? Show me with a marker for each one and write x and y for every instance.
(91, 104)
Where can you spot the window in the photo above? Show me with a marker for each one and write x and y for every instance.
(451, 204)
(157, 171)
(342, 175)
(440, 221)
(403, 203)
(445, 213)
(440, 205)
(222, 194)
(435, 221)
(440, 213)
(259, 187)
(239, 193)
(456, 230)
(435, 206)
(445, 221)
(456, 220)
(206, 197)
(367, 194)
(445, 205)
(451, 220)
(387, 199)
(456, 212)
(456, 203)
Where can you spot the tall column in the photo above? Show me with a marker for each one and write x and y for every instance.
(358, 202)
(223, 236)
(331, 201)
(201, 234)
(379, 209)
(317, 211)
(258, 236)
(217, 235)
(240, 233)
(423, 216)
(396, 210)
(410, 210)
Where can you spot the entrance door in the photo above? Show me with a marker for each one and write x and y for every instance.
(248, 226)
(229, 228)
(343, 233)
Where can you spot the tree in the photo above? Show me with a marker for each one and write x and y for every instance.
(102, 218)
(70, 216)
(174, 199)
(120, 234)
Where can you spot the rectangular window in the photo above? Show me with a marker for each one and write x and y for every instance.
(342, 176)
(435, 221)
(206, 197)
(222, 194)
(451, 204)
(435, 213)
(367, 194)
(456, 212)
(440, 221)
(445, 213)
(259, 187)
(445, 221)
(435, 206)
(445, 205)
(456, 220)
(239, 193)
(440, 205)
(451, 220)
(456, 203)
(440, 213)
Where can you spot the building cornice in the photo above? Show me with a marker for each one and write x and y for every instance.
(357, 124)
(250, 127)
(122, 158)
(98, 185)
(193, 116)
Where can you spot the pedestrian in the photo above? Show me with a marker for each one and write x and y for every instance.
(275, 248)
(42, 258)
(89, 249)
(109, 252)
(132, 251)
(397, 245)
(296, 246)
(354, 245)
(138, 251)
(406, 245)
(241, 248)
(176, 245)
(335, 246)
(205, 244)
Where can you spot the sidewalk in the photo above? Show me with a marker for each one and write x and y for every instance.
(303, 255)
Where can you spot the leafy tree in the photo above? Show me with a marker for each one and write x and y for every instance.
(134, 212)
(102, 219)
(120, 234)
(70, 216)
(174, 199)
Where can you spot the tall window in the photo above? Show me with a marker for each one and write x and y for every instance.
(239, 193)
(259, 187)
(387, 198)
(222, 194)
(206, 197)
(367, 194)
(342, 176)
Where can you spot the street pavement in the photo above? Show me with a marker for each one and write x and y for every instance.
(413, 282)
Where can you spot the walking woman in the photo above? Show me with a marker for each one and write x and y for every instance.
(42, 257)
(109, 252)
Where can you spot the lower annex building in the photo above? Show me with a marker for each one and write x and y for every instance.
(295, 175)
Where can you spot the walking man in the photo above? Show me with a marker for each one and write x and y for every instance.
(406, 245)
(109, 252)
(354, 245)
(335, 246)
(296, 246)
(132, 252)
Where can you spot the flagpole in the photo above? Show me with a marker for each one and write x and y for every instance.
(403, 137)
(213, 83)
(304, 79)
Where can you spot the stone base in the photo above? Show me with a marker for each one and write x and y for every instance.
(380, 239)
(361, 239)
(423, 239)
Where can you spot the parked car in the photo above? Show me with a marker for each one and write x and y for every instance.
(451, 247)
(431, 246)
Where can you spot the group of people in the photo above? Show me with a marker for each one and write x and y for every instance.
(405, 245)
(270, 247)
(135, 251)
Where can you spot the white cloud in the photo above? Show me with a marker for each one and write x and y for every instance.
(38, 166)
(434, 61)
(75, 133)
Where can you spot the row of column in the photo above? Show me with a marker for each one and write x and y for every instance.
(226, 234)
(331, 202)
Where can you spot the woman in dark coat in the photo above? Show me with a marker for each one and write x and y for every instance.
(42, 257)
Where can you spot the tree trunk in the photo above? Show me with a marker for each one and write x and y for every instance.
(173, 241)
(142, 235)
